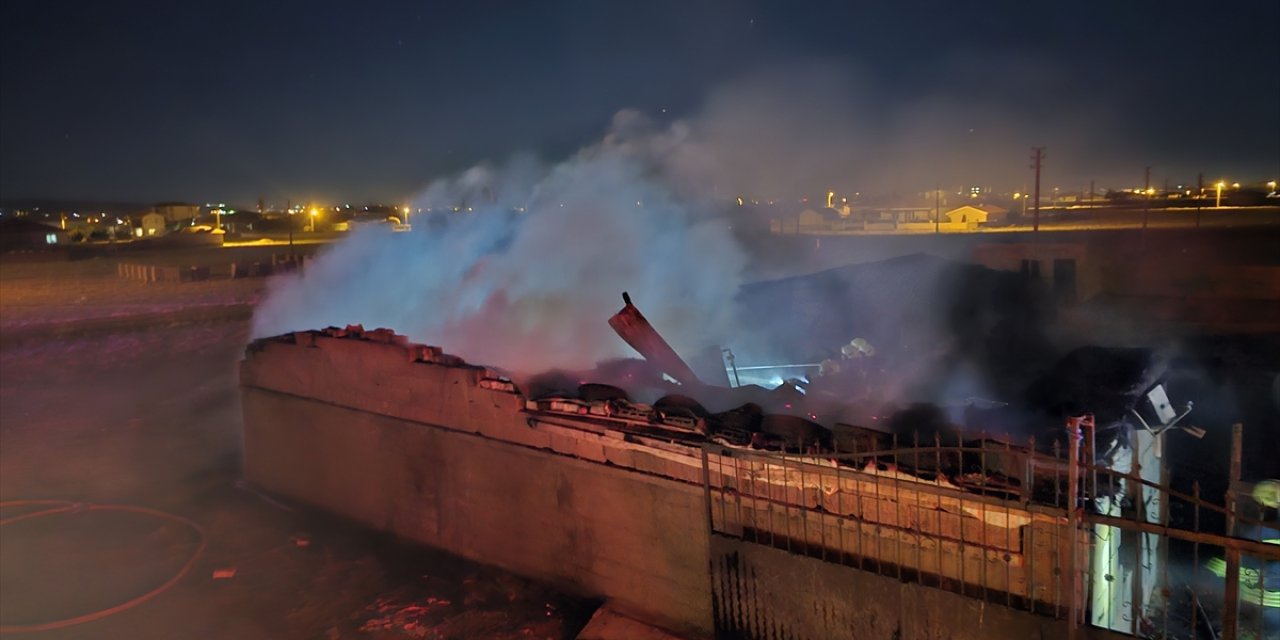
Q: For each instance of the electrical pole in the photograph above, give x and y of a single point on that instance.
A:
(937, 209)
(1146, 193)
(1037, 157)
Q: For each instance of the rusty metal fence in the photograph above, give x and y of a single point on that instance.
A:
(1043, 532)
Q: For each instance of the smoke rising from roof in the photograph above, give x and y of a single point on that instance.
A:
(526, 270)
(525, 273)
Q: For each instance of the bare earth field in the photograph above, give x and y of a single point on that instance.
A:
(116, 392)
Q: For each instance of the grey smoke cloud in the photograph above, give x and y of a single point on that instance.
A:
(525, 274)
(527, 271)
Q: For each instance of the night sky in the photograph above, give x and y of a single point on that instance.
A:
(145, 101)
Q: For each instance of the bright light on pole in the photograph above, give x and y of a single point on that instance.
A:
(314, 213)
(1218, 201)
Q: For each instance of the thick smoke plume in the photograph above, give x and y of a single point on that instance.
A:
(525, 272)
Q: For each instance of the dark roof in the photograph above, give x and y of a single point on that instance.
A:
(914, 300)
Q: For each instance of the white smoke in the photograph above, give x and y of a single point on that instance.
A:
(528, 269)
(526, 272)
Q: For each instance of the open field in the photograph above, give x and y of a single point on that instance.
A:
(117, 392)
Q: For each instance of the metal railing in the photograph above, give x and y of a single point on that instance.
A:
(1081, 542)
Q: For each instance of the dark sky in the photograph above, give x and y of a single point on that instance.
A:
(370, 100)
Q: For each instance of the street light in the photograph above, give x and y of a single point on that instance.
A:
(314, 213)
(1218, 201)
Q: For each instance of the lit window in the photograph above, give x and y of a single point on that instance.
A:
(51, 238)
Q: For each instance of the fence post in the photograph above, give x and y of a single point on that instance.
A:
(706, 490)
(1073, 524)
(1231, 604)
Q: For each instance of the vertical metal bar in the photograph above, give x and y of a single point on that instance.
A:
(878, 530)
(706, 490)
(964, 582)
(724, 490)
(1028, 544)
(1231, 605)
(938, 533)
(1073, 524)
(755, 519)
(859, 517)
(821, 509)
(919, 531)
(1007, 554)
(786, 503)
(1092, 458)
(1057, 530)
(1139, 516)
(802, 506)
(841, 518)
(982, 532)
(1165, 497)
(897, 509)
(1195, 559)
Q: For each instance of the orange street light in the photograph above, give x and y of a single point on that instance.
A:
(1218, 201)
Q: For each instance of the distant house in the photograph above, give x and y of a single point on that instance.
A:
(153, 224)
(177, 211)
(25, 234)
(823, 219)
(977, 214)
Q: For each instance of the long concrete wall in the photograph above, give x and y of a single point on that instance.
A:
(631, 538)
(411, 441)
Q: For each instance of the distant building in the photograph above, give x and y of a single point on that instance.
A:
(977, 214)
(25, 234)
(177, 211)
(154, 224)
(818, 219)
(898, 215)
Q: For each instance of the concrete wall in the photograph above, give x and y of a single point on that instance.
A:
(408, 440)
(636, 540)
(762, 592)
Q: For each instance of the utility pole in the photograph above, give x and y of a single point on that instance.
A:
(1037, 157)
(1146, 193)
(937, 209)
(1092, 193)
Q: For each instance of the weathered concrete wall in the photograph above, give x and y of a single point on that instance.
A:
(636, 540)
(762, 592)
(408, 440)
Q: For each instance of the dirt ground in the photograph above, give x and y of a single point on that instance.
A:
(149, 415)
